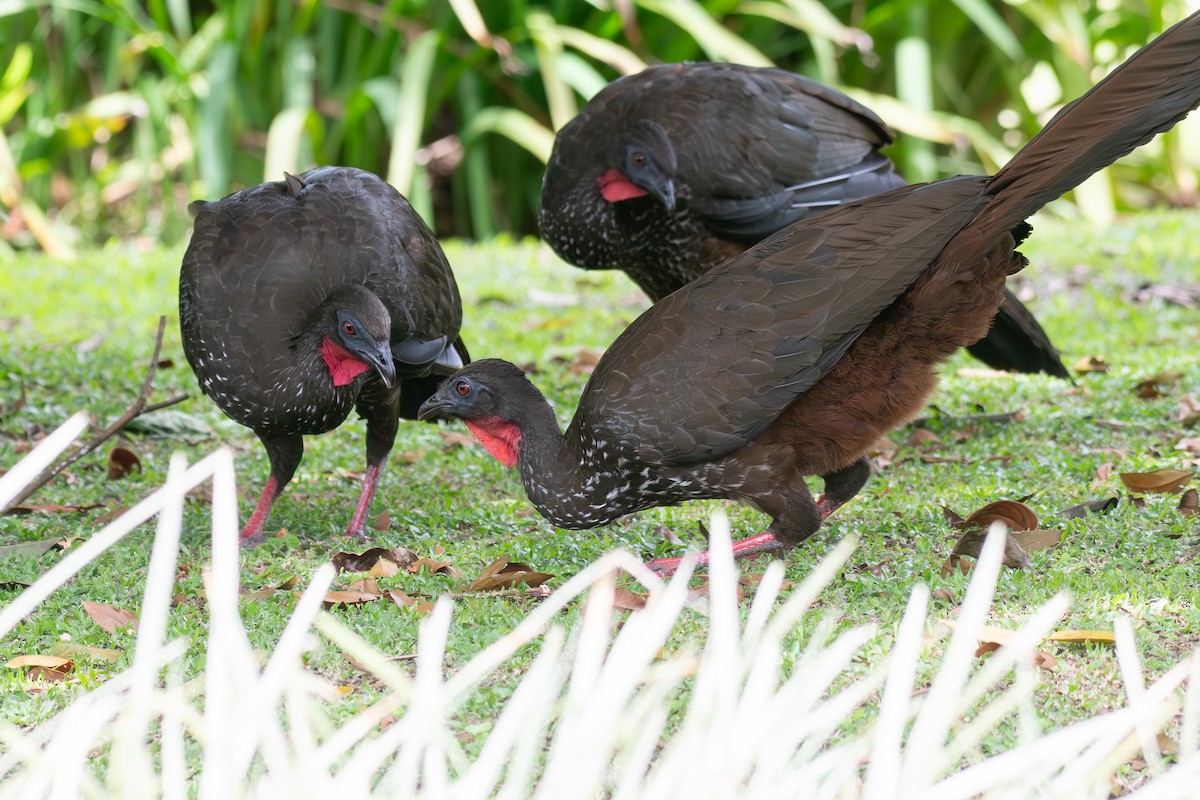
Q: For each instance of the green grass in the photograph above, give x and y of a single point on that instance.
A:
(525, 305)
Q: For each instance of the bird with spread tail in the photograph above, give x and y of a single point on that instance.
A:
(792, 358)
(666, 173)
(304, 298)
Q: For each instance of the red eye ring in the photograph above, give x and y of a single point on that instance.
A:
(349, 329)
(463, 388)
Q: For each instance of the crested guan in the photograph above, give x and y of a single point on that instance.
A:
(792, 358)
(668, 172)
(304, 298)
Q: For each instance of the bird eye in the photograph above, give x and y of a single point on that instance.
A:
(463, 388)
(348, 328)
(639, 160)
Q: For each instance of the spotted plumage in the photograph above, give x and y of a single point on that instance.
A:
(303, 299)
(792, 358)
(666, 173)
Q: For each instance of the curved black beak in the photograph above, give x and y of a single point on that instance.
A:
(435, 407)
(381, 359)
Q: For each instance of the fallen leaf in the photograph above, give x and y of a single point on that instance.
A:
(1014, 515)
(1075, 637)
(347, 597)
(921, 436)
(121, 462)
(630, 601)
(47, 674)
(971, 544)
(1091, 364)
(51, 509)
(1090, 507)
(502, 574)
(1159, 481)
(76, 651)
(927, 459)
(453, 439)
(1103, 472)
(585, 361)
(50, 662)
(1037, 539)
(668, 534)
(368, 585)
(945, 595)
(28, 548)
(108, 617)
(400, 598)
(382, 521)
(1191, 445)
(1189, 503)
(369, 560)
(428, 563)
(1153, 386)
(1189, 411)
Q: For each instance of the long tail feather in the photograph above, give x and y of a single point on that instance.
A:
(1154, 89)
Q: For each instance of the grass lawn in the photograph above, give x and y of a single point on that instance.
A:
(78, 337)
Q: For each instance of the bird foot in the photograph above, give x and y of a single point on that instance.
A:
(827, 506)
(742, 548)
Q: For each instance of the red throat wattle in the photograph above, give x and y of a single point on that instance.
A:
(498, 437)
(615, 187)
(343, 367)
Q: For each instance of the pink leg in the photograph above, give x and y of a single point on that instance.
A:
(358, 521)
(827, 506)
(742, 548)
(252, 532)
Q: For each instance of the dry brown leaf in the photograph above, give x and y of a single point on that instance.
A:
(453, 439)
(630, 601)
(955, 563)
(121, 462)
(701, 591)
(49, 662)
(1189, 503)
(382, 521)
(585, 361)
(504, 574)
(368, 585)
(1159, 481)
(1189, 411)
(920, 437)
(1090, 507)
(1189, 444)
(1014, 515)
(1075, 637)
(945, 595)
(347, 597)
(926, 459)
(400, 598)
(47, 674)
(1091, 364)
(970, 544)
(1157, 384)
(668, 534)
(368, 560)
(75, 651)
(51, 509)
(1037, 539)
(433, 566)
(1103, 472)
(108, 617)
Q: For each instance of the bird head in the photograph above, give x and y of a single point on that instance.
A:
(360, 339)
(647, 166)
(486, 395)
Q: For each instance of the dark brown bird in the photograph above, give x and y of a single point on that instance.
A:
(666, 173)
(794, 357)
(302, 299)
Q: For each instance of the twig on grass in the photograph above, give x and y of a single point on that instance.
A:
(136, 408)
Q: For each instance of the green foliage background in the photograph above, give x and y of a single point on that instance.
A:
(114, 114)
